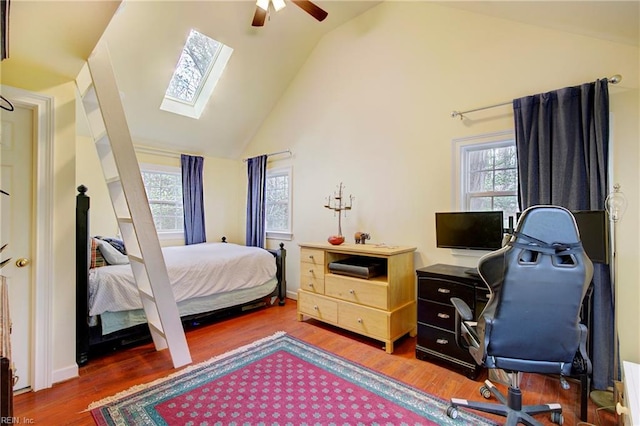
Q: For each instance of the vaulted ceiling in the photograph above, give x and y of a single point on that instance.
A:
(146, 37)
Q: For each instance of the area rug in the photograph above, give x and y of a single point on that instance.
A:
(278, 380)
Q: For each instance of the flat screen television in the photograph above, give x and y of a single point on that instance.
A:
(469, 230)
(593, 226)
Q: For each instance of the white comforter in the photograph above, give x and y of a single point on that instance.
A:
(195, 270)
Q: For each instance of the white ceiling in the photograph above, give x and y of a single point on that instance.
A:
(146, 37)
(616, 21)
(55, 36)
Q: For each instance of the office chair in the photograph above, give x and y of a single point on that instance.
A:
(531, 323)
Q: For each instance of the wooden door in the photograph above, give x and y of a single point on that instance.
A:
(16, 230)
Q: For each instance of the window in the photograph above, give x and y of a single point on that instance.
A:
(163, 185)
(278, 203)
(489, 174)
(197, 72)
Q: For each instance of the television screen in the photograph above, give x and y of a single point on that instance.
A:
(469, 230)
(594, 233)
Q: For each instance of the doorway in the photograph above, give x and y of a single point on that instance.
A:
(40, 360)
(16, 225)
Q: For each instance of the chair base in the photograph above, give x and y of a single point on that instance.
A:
(509, 407)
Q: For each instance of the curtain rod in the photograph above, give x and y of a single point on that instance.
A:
(613, 80)
(142, 149)
(286, 151)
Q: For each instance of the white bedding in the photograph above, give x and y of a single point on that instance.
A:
(194, 271)
(114, 321)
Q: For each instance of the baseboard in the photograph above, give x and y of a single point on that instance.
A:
(292, 295)
(65, 373)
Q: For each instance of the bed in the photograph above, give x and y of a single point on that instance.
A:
(209, 281)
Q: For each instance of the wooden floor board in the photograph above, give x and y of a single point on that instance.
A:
(65, 403)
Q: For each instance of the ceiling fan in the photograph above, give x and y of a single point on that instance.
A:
(262, 8)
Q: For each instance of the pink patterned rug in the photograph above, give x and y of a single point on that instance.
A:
(277, 380)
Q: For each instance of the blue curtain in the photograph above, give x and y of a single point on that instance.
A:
(256, 172)
(192, 199)
(562, 139)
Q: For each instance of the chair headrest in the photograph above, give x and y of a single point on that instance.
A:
(550, 224)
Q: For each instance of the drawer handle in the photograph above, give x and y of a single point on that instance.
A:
(311, 271)
(315, 307)
(310, 284)
(352, 291)
(359, 320)
(310, 256)
(443, 316)
(442, 341)
(444, 290)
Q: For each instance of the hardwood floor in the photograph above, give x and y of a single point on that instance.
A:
(64, 403)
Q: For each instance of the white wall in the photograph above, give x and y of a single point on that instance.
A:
(371, 108)
(224, 191)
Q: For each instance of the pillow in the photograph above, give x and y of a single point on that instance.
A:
(111, 255)
(97, 260)
(116, 243)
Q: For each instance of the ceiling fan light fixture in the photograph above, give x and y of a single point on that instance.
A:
(262, 10)
(278, 4)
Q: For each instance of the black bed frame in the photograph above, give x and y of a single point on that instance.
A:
(89, 339)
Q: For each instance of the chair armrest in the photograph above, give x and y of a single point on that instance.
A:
(462, 309)
(581, 361)
(463, 315)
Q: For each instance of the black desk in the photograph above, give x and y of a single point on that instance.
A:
(437, 284)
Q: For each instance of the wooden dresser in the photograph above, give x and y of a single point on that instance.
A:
(382, 307)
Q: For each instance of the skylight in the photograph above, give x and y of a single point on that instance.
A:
(198, 70)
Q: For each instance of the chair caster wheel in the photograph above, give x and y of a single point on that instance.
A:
(557, 418)
(485, 392)
(452, 412)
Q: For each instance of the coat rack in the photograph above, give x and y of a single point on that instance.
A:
(6, 104)
(8, 377)
(4, 262)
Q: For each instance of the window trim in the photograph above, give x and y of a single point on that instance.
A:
(465, 153)
(164, 235)
(196, 109)
(459, 147)
(288, 234)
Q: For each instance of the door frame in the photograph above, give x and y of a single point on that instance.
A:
(42, 332)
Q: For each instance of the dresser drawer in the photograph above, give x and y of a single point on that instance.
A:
(370, 322)
(443, 342)
(312, 284)
(311, 256)
(312, 278)
(312, 271)
(442, 290)
(437, 314)
(365, 292)
(317, 307)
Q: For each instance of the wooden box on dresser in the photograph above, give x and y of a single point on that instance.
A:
(437, 284)
(382, 307)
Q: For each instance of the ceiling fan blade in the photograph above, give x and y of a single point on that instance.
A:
(311, 9)
(259, 17)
